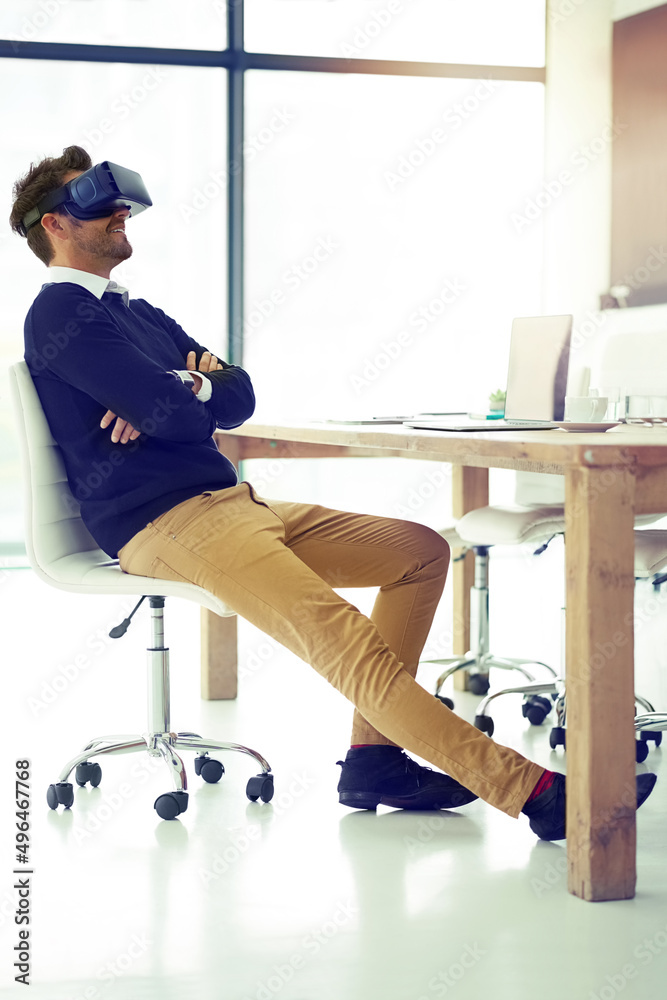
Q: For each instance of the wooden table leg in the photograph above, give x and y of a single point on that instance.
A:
(470, 490)
(219, 636)
(219, 656)
(601, 798)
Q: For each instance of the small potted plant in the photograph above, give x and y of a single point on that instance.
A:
(497, 401)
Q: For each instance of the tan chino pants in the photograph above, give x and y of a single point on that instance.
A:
(276, 563)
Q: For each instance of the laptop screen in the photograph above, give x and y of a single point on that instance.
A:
(538, 364)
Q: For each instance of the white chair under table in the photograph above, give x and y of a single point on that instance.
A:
(526, 521)
(62, 552)
(530, 523)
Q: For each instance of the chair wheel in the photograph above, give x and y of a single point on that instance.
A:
(171, 804)
(651, 734)
(641, 751)
(485, 724)
(88, 771)
(535, 709)
(445, 701)
(210, 770)
(260, 787)
(60, 794)
(479, 683)
(557, 737)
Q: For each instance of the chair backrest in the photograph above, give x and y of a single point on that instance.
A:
(630, 356)
(627, 355)
(60, 548)
(53, 525)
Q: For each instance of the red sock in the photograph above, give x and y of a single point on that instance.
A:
(546, 781)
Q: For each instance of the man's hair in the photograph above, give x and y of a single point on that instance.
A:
(42, 178)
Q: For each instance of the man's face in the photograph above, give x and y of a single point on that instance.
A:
(97, 240)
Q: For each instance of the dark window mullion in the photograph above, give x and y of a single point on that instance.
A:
(235, 167)
(80, 52)
(236, 58)
(394, 67)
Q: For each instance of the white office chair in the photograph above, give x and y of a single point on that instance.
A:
(479, 530)
(525, 522)
(63, 553)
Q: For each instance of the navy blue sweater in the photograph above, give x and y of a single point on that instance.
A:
(89, 355)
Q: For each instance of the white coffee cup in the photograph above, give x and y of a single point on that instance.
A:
(585, 409)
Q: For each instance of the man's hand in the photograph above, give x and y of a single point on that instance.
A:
(123, 430)
(207, 363)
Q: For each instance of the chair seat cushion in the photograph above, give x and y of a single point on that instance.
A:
(650, 552)
(510, 525)
(94, 572)
(451, 535)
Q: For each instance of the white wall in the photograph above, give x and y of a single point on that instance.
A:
(577, 155)
(579, 139)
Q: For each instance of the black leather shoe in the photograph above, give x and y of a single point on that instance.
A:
(547, 811)
(385, 775)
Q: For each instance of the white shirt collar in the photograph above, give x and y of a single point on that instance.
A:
(93, 282)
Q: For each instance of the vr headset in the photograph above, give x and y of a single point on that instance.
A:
(98, 192)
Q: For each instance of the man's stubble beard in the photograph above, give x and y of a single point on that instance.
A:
(105, 246)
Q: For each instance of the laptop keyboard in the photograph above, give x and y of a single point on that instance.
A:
(529, 423)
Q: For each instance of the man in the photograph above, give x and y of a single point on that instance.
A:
(133, 402)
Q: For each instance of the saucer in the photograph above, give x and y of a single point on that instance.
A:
(591, 428)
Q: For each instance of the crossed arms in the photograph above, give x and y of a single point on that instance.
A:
(73, 338)
(123, 431)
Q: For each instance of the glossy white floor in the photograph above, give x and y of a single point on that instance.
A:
(300, 899)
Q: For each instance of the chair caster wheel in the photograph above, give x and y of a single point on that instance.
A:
(536, 708)
(88, 771)
(479, 683)
(485, 724)
(557, 737)
(641, 751)
(445, 701)
(651, 734)
(210, 770)
(171, 804)
(60, 794)
(260, 787)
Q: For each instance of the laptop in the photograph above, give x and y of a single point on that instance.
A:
(536, 379)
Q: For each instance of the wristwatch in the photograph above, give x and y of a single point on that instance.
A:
(185, 377)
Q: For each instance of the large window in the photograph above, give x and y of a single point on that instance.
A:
(197, 24)
(383, 266)
(373, 156)
(441, 31)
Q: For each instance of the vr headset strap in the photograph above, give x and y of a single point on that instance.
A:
(47, 204)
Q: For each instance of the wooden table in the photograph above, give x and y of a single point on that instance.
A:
(609, 479)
